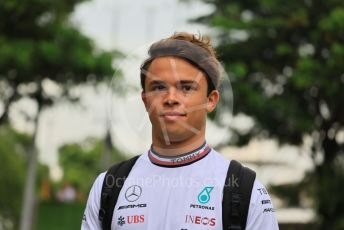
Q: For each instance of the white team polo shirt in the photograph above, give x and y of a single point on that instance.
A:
(177, 193)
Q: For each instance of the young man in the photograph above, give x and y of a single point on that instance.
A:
(181, 182)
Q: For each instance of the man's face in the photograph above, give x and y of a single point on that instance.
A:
(175, 97)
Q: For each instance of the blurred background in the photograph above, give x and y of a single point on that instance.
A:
(70, 100)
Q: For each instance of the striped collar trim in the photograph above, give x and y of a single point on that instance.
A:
(181, 160)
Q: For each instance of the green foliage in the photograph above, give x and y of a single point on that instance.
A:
(13, 157)
(64, 52)
(289, 47)
(329, 199)
(37, 42)
(12, 173)
(286, 62)
(81, 163)
(290, 193)
(80, 166)
(56, 216)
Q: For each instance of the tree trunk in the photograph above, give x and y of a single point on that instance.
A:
(327, 181)
(28, 205)
(29, 192)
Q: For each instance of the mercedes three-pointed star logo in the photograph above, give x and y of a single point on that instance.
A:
(133, 193)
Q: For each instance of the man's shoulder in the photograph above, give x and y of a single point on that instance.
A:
(261, 211)
(98, 183)
(260, 195)
(219, 157)
(132, 160)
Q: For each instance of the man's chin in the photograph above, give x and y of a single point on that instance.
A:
(179, 136)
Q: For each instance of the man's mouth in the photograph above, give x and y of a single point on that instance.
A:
(172, 116)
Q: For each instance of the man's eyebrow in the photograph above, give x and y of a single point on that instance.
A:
(188, 82)
(181, 82)
(156, 82)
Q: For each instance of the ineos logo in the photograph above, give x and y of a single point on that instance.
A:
(133, 193)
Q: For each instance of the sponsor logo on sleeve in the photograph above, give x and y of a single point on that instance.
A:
(262, 191)
(266, 201)
(268, 210)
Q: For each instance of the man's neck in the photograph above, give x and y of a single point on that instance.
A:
(178, 147)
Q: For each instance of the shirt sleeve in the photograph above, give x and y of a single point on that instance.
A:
(90, 219)
(261, 214)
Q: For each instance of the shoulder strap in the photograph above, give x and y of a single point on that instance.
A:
(236, 196)
(112, 185)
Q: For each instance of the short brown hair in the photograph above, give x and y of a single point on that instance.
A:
(196, 49)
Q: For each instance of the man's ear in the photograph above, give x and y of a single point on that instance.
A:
(213, 98)
(144, 98)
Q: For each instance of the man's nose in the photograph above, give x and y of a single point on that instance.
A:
(171, 97)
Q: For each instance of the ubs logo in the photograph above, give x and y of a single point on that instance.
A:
(134, 219)
(133, 193)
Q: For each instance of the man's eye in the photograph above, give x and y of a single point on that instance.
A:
(158, 87)
(187, 88)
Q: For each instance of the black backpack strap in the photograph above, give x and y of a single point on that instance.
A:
(236, 196)
(112, 185)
